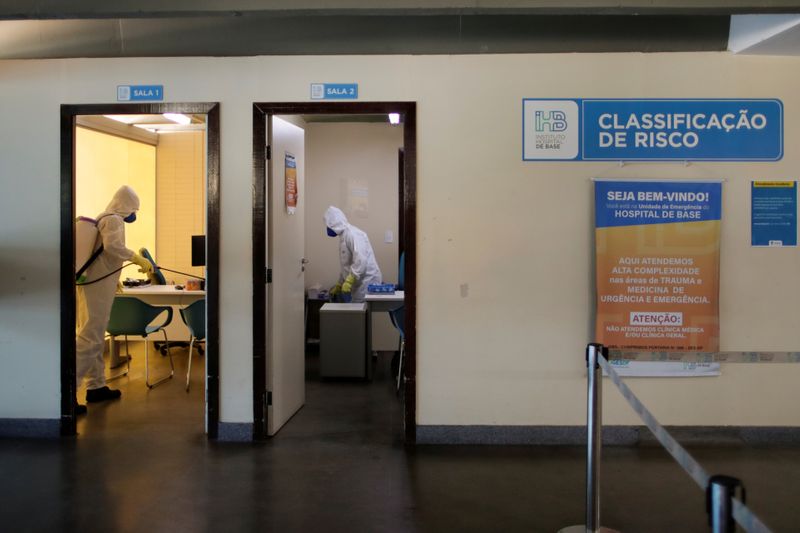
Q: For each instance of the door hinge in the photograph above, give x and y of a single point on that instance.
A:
(268, 400)
(269, 152)
(269, 275)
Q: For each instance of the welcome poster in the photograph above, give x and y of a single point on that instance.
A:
(657, 265)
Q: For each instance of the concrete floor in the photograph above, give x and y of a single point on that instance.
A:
(143, 464)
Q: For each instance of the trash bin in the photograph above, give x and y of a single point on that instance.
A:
(343, 340)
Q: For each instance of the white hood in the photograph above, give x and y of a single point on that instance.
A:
(335, 219)
(124, 202)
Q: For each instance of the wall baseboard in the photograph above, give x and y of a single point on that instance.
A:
(497, 435)
(235, 432)
(37, 428)
(612, 435)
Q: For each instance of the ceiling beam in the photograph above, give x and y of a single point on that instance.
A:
(322, 35)
(105, 9)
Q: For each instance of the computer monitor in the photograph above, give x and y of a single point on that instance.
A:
(198, 250)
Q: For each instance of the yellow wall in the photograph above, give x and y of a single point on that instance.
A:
(181, 195)
(104, 163)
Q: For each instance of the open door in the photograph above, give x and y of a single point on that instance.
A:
(285, 258)
(278, 380)
(70, 116)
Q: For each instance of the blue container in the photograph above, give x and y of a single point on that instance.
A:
(381, 288)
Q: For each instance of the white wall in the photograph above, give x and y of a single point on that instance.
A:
(511, 352)
(354, 167)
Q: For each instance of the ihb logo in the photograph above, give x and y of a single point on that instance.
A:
(550, 129)
(552, 121)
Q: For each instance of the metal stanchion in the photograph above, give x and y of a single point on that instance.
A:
(719, 503)
(594, 427)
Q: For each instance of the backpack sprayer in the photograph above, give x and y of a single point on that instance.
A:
(88, 248)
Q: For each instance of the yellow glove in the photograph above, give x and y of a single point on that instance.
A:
(120, 286)
(336, 289)
(347, 286)
(144, 265)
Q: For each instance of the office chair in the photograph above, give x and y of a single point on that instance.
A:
(156, 277)
(401, 273)
(397, 316)
(131, 316)
(194, 316)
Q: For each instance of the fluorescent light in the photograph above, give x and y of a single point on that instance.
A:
(178, 117)
(394, 118)
(125, 119)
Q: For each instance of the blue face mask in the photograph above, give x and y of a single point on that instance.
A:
(331, 233)
(130, 218)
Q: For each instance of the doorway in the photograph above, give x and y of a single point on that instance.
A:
(70, 118)
(263, 154)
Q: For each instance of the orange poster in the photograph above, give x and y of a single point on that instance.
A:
(657, 265)
(291, 183)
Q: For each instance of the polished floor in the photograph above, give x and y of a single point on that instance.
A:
(143, 464)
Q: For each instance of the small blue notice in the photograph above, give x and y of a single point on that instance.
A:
(140, 93)
(773, 213)
(334, 91)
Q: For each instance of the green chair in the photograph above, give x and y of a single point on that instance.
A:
(194, 316)
(131, 316)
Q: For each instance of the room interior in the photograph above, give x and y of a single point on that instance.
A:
(163, 158)
(352, 164)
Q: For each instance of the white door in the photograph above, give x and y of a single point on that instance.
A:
(286, 293)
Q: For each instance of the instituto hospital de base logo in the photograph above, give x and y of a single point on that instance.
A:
(550, 129)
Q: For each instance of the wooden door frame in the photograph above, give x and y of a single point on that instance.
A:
(261, 111)
(67, 276)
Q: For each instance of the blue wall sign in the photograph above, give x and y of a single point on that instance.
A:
(652, 130)
(773, 208)
(636, 203)
(140, 93)
(334, 91)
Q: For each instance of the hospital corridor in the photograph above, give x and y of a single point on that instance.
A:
(407, 267)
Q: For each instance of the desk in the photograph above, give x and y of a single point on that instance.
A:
(167, 295)
(380, 303)
(313, 306)
(163, 295)
(385, 302)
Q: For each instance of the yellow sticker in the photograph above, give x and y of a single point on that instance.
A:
(759, 184)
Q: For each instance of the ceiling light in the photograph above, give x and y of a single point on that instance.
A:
(394, 118)
(125, 119)
(179, 118)
(149, 127)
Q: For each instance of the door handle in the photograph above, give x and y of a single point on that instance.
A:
(303, 263)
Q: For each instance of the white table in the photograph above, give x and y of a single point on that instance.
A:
(380, 303)
(163, 295)
(385, 302)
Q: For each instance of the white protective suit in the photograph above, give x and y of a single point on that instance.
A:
(355, 254)
(95, 300)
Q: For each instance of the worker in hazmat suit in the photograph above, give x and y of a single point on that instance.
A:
(95, 299)
(359, 268)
